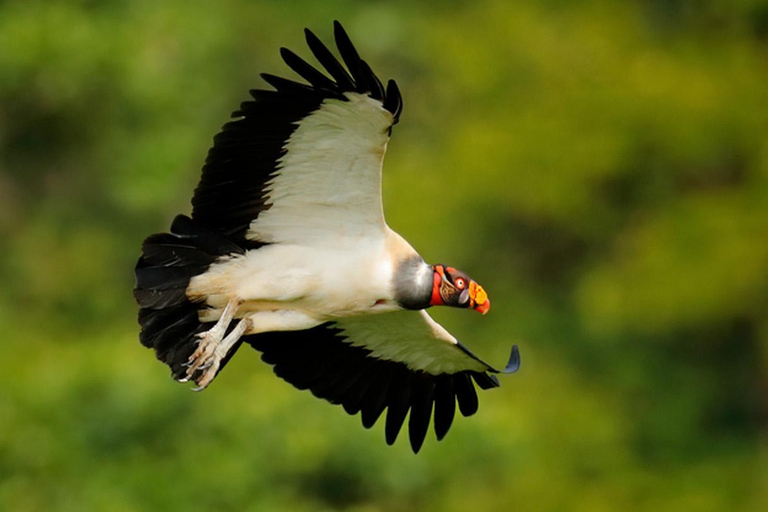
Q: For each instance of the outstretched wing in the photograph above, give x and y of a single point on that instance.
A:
(302, 161)
(397, 361)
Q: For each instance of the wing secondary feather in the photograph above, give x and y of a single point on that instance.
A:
(412, 338)
(328, 181)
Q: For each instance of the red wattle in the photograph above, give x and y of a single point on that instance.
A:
(436, 300)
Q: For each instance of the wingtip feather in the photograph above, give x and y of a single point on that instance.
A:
(513, 364)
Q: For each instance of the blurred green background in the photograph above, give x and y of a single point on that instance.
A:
(601, 167)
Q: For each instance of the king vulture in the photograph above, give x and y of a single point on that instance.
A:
(287, 250)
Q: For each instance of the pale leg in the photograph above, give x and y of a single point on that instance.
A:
(213, 347)
(281, 320)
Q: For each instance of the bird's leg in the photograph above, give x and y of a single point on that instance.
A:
(212, 363)
(210, 340)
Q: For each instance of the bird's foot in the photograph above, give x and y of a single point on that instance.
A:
(205, 361)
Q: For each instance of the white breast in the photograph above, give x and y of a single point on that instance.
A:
(345, 278)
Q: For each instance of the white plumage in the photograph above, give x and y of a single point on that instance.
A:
(411, 338)
(346, 141)
(287, 249)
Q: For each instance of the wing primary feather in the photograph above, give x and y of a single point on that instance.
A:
(287, 86)
(421, 410)
(465, 394)
(514, 361)
(299, 367)
(373, 83)
(353, 399)
(336, 379)
(232, 191)
(329, 62)
(375, 400)
(306, 71)
(309, 373)
(354, 388)
(393, 101)
(348, 54)
(398, 403)
(445, 405)
(262, 95)
(485, 381)
(301, 378)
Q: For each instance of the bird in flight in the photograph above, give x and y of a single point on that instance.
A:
(288, 251)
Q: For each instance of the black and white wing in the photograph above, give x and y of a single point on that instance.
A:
(302, 164)
(402, 361)
(304, 160)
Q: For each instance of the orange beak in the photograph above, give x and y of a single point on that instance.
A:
(484, 307)
(479, 298)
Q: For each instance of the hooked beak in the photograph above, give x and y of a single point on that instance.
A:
(479, 298)
(484, 307)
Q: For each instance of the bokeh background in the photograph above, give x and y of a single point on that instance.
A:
(601, 167)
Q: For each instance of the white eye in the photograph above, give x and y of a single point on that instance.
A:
(460, 283)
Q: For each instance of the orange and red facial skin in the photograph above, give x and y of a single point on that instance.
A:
(452, 287)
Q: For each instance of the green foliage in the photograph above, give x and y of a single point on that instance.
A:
(601, 167)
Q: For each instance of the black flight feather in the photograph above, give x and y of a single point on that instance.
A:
(465, 394)
(373, 84)
(445, 405)
(325, 362)
(485, 381)
(329, 62)
(285, 85)
(393, 101)
(353, 398)
(421, 409)
(375, 399)
(232, 190)
(348, 54)
(306, 71)
(168, 318)
(398, 403)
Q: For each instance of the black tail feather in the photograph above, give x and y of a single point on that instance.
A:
(169, 320)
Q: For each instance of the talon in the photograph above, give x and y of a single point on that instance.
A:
(212, 347)
(207, 377)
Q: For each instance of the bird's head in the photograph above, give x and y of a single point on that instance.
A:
(452, 287)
